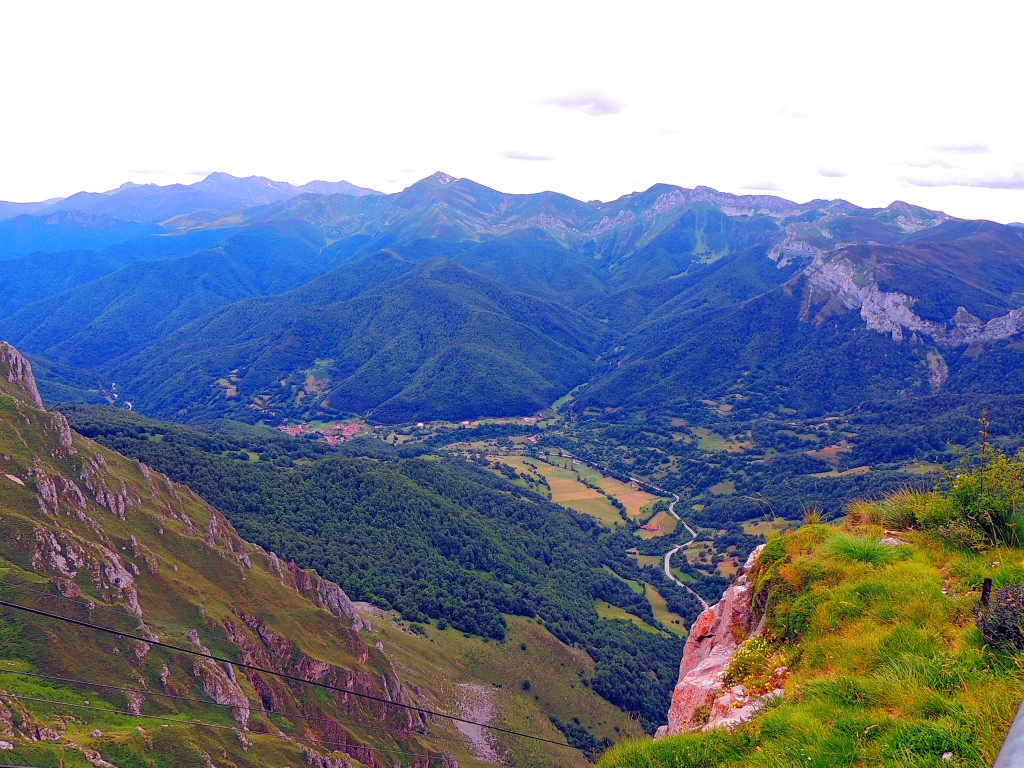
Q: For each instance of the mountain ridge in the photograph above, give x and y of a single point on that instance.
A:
(641, 270)
(155, 203)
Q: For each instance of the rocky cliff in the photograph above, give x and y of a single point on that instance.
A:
(836, 279)
(88, 534)
(18, 373)
(702, 698)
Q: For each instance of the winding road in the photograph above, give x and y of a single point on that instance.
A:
(668, 555)
(671, 511)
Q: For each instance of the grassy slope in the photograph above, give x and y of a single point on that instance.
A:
(188, 577)
(555, 673)
(889, 669)
(194, 579)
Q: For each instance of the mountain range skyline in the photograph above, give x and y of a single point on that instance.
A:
(256, 190)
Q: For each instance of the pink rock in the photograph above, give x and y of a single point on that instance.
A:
(713, 640)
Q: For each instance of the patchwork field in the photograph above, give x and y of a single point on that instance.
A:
(712, 441)
(836, 473)
(609, 611)
(654, 561)
(567, 490)
(633, 499)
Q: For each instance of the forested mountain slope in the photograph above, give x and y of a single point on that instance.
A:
(436, 539)
(656, 298)
(411, 342)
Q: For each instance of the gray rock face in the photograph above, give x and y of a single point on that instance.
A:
(338, 602)
(836, 278)
(18, 371)
(219, 681)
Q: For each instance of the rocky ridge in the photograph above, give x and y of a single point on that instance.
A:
(18, 372)
(836, 279)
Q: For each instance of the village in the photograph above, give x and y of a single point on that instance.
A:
(333, 434)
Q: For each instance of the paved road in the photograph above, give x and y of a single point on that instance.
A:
(671, 510)
(671, 552)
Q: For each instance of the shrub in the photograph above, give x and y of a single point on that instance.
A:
(992, 500)
(961, 533)
(812, 514)
(798, 619)
(754, 665)
(862, 512)
(899, 509)
(987, 496)
(1002, 622)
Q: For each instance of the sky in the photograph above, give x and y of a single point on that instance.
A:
(868, 101)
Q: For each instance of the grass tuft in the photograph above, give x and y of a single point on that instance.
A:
(865, 550)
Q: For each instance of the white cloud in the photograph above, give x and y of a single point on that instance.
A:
(678, 92)
(1013, 180)
(964, 149)
(513, 154)
(591, 103)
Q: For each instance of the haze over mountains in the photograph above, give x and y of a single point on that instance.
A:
(152, 202)
(260, 300)
(733, 352)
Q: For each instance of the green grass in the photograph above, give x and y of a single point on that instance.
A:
(636, 586)
(556, 674)
(865, 549)
(708, 440)
(724, 488)
(613, 612)
(889, 668)
(673, 622)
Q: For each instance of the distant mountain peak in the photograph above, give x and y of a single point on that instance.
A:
(911, 218)
(126, 185)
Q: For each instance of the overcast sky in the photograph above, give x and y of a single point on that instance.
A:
(868, 101)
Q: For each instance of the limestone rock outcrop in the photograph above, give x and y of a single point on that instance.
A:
(19, 372)
(835, 278)
(701, 698)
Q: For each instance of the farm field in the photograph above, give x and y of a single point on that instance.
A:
(567, 490)
(632, 498)
(609, 611)
(666, 526)
(673, 622)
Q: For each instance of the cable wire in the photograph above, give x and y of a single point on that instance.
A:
(87, 604)
(285, 737)
(206, 702)
(282, 675)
